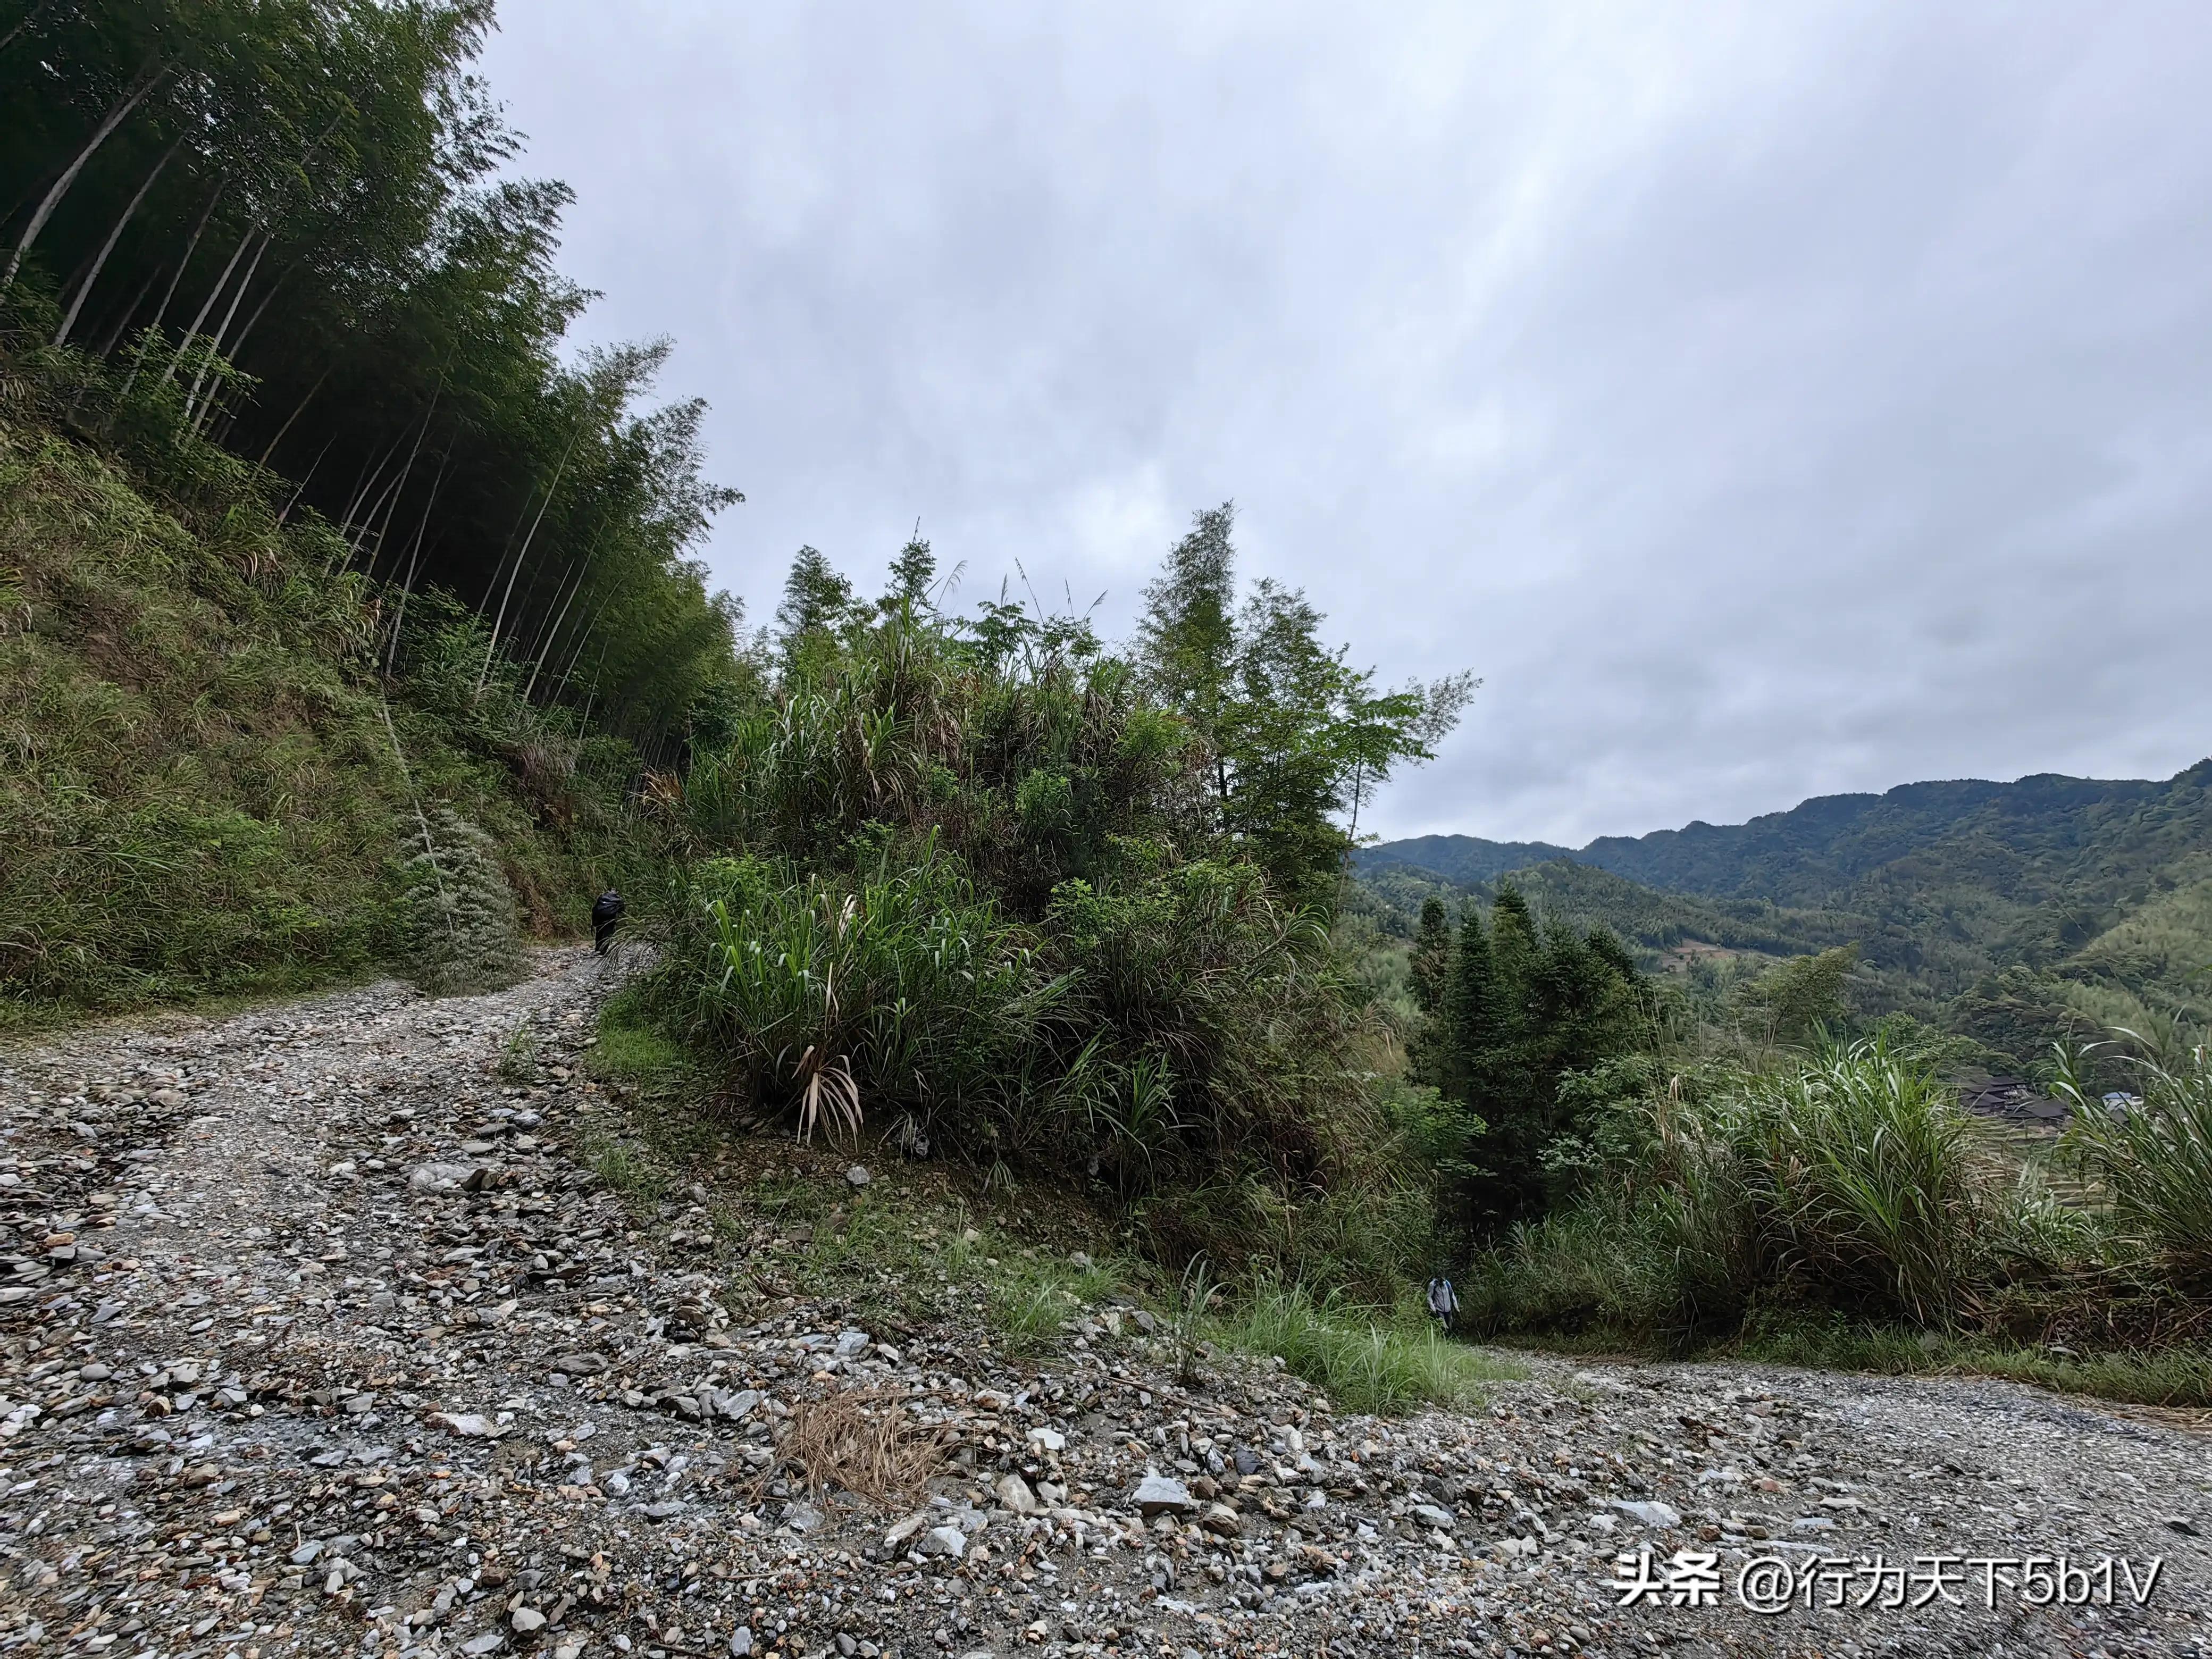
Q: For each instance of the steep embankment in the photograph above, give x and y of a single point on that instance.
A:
(199, 792)
(341, 1343)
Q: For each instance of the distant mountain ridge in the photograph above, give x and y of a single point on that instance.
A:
(1816, 852)
(2016, 913)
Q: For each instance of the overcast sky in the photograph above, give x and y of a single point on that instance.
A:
(1765, 400)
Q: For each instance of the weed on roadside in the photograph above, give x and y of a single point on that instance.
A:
(1365, 1359)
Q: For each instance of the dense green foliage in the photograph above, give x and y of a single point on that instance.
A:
(1291, 734)
(1518, 1008)
(278, 246)
(982, 880)
(2154, 1159)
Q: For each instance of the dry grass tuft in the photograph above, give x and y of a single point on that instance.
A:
(863, 1440)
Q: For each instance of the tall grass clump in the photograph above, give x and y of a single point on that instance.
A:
(2152, 1155)
(1845, 1181)
(460, 923)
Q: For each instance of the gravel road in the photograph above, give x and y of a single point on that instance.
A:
(319, 1338)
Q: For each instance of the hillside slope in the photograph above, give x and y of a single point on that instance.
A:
(199, 791)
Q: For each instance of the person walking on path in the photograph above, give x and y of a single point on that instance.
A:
(605, 912)
(1444, 1302)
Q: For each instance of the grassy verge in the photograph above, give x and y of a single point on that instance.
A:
(1365, 1359)
(924, 1250)
(2170, 1376)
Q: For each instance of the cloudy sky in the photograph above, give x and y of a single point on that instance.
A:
(1765, 400)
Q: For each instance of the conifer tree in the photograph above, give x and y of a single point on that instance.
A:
(1431, 958)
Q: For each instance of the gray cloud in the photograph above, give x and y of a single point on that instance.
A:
(1765, 400)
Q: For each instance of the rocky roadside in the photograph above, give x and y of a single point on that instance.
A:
(322, 1336)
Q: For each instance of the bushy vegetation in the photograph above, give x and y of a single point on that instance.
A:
(1844, 1192)
(981, 880)
(2152, 1153)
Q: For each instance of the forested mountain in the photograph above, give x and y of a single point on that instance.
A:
(2011, 912)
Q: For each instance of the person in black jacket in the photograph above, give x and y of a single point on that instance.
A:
(605, 912)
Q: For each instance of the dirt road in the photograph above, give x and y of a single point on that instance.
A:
(320, 1338)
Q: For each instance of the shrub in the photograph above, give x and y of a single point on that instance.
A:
(459, 917)
(830, 997)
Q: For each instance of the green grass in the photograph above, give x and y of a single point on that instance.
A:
(1387, 1361)
(628, 1169)
(199, 792)
(518, 1058)
(909, 1262)
(628, 1051)
(2173, 1377)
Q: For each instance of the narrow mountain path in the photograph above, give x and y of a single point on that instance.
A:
(318, 1335)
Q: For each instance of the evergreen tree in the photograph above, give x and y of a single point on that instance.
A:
(1293, 735)
(1523, 1007)
(816, 598)
(1188, 636)
(1431, 958)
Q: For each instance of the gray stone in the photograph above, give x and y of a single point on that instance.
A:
(580, 1364)
(1432, 1515)
(1650, 1511)
(857, 1175)
(945, 1540)
(741, 1642)
(526, 1620)
(1014, 1494)
(1161, 1494)
(901, 1530)
(470, 1426)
